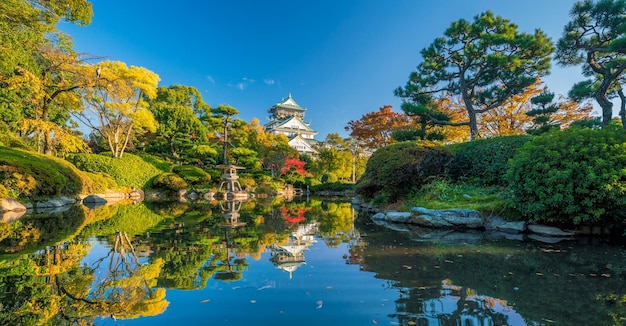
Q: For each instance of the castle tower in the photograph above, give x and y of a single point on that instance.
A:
(287, 118)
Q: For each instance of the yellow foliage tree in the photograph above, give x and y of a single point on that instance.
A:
(117, 101)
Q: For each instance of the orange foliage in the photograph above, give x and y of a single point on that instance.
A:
(374, 129)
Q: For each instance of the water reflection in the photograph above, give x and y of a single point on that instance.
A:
(452, 305)
(289, 256)
(193, 262)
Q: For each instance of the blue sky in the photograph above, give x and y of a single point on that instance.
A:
(338, 58)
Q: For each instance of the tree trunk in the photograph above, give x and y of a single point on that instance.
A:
(47, 137)
(605, 104)
(622, 110)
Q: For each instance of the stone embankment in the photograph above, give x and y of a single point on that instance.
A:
(11, 209)
(441, 223)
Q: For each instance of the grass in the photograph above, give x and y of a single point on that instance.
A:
(443, 194)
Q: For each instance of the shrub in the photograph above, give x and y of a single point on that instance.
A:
(397, 169)
(192, 175)
(485, 161)
(262, 178)
(169, 181)
(329, 178)
(571, 177)
(129, 170)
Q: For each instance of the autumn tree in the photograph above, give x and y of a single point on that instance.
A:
(547, 114)
(511, 117)
(374, 129)
(486, 62)
(39, 72)
(118, 103)
(51, 96)
(595, 37)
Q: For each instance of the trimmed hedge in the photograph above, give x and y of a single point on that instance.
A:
(192, 175)
(394, 171)
(128, 171)
(577, 176)
(485, 161)
(169, 181)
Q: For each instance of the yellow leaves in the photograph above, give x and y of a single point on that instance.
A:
(144, 119)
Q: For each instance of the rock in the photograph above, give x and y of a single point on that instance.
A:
(51, 203)
(398, 217)
(498, 224)
(11, 205)
(95, 199)
(454, 218)
(379, 216)
(548, 231)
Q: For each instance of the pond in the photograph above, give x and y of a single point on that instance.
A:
(310, 262)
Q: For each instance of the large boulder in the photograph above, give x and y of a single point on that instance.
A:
(447, 218)
(497, 224)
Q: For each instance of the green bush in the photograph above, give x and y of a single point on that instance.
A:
(192, 175)
(484, 161)
(397, 169)
(262, 177)
(329, 178)
(169, 181)
(576, 176)
(128, 171)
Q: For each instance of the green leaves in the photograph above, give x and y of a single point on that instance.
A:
(574, 176)
(486, 61)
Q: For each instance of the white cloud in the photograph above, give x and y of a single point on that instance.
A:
(241, 86)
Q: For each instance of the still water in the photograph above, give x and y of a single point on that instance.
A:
(310, 262)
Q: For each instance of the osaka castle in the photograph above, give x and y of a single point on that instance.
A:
(287, 118)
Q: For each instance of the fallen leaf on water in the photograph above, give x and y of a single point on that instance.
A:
(205, 301)
(411, 322)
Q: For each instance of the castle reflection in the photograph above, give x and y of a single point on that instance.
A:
(289, 256)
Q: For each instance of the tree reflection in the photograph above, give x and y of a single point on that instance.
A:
(122, 287)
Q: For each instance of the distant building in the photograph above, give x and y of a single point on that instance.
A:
(287, 118)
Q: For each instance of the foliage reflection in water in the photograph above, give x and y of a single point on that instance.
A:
(307, 262)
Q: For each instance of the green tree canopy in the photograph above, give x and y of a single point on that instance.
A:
(486, 62)
(595, 36)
